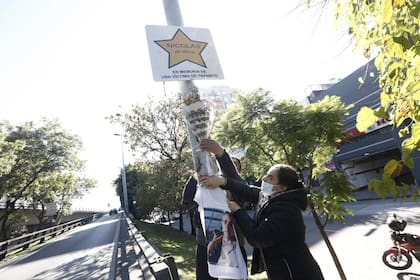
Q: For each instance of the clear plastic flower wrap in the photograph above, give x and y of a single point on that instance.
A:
(199, 119)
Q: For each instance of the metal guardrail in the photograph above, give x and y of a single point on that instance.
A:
(19, 204)
(153, 263)
(23, 242)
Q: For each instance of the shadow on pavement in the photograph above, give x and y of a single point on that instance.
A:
(88, 267)
(96, 234)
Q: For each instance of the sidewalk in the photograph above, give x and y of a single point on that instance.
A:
(360, 245)
(366, 194)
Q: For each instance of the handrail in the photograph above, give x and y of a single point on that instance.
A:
(161, 266)
(23, 242)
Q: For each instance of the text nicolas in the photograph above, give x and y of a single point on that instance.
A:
(188, 46)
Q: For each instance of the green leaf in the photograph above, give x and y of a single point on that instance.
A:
(389, 185)
(385, 99)
(408, 146)
(403, 132)
(387, 11)
(415, 132)
(365, 118)
(377, 186)
(393, 168)
(382, 113)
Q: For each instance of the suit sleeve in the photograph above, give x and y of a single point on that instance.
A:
(242, 190)
(189, 191)
(227, 167)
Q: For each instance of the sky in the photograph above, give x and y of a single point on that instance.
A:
(80, 61)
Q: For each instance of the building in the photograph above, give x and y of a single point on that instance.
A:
(363, 155)
(220, 96)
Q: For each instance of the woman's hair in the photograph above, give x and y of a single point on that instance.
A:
(218, 235)
(229, 227)
(288, 176)
(238, 161)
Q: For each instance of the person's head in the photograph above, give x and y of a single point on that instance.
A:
(279, 178)
(237, 163)
(227, 227)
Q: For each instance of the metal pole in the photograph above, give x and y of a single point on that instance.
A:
(188, 89)
(123, 177)
(174, 17)
(173, 12)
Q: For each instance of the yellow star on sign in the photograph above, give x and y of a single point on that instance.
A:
(181, 48)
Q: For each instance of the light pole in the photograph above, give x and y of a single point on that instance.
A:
(123, 178)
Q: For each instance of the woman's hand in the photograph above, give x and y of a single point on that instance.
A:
(212, 146)
(233, 206)
(211, 182)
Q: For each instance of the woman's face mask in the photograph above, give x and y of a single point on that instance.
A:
(266, 188)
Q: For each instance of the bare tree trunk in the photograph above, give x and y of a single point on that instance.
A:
(41, 214)
(191, 214)
(327, 242)
(3, 232)
(9, 209)
(181, 221)
(169, 218)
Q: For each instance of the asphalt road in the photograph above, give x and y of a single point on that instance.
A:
(82, 253)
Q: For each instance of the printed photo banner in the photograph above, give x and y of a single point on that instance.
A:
(224, 256)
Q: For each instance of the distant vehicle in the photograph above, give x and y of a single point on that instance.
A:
(113, 211)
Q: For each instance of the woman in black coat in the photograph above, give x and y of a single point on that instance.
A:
(277, 232)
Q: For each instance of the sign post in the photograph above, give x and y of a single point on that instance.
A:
(184, 54)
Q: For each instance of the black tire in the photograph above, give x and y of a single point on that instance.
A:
(390, 259)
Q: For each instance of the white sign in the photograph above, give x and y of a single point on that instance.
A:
(182, 53)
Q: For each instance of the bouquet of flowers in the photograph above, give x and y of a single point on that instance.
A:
(198, 117)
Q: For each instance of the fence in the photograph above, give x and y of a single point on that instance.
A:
(23, 242)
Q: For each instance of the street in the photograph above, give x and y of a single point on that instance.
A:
(85, 252)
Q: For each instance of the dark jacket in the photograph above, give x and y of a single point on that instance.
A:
(277, 233)
(188, 199)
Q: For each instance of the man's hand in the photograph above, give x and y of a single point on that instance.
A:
(212, 146)
(233, 206)
(211, 182)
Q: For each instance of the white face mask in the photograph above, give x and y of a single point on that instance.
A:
(267, 188)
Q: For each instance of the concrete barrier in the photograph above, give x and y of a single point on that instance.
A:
(151, 260)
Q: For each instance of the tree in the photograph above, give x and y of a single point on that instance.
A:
(44, 149)
(390, 29)
(140, 188)
(156, 131)
(305, 137)
(8, 150)
(69, 186)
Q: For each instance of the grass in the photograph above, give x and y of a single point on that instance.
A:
(181, 246)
